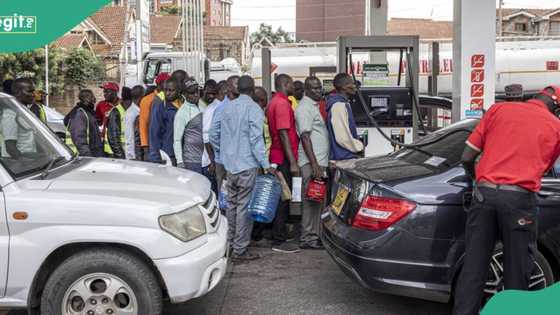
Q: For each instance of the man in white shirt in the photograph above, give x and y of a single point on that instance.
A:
(131, 132)
(18, 136)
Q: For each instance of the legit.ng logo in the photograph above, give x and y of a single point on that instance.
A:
(18, 24)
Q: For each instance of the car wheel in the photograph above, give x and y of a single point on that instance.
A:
(541, 277)
(102, 281)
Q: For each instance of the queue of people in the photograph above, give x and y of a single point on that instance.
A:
(228, 131)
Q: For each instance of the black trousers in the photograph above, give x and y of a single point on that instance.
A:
(495, 215)
(279, 230)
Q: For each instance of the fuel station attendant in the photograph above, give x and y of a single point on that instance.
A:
(519, 142)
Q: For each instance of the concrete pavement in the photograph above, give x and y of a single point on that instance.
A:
(292, 284)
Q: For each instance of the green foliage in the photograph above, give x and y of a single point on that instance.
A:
(169, 10)
(76, 68)
(82, 67)
(32, 64)
(275, 37)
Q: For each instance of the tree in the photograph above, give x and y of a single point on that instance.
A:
(265, 31)
(169, 10)
(75, 68)
(32, 64)
(82, 67)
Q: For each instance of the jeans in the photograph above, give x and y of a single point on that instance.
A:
(239, 188)
(310, 211)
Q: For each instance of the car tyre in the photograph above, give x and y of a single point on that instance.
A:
(98, 269)
(541, 277)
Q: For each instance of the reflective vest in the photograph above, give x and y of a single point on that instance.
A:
(68, 138)
(106, 145)
(42, 113)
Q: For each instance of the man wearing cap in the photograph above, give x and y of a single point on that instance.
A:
(111, 99)
(507, 178)
(157, 96)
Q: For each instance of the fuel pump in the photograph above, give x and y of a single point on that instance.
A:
(386, 114)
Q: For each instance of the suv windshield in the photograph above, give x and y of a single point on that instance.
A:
(27, 147)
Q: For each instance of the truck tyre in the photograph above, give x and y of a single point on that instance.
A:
(102, 281)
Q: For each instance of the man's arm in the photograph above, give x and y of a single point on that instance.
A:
(287, 147)
(179, 125)
(11, 148)
(342, 133)
(304, 122)
(308, 149)
(79, 132)
(469, 161)
(256, 137)
(114, 136)
(156, 122)
(215, 131)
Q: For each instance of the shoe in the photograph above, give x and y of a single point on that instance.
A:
(263, 243)
(246, 256)
(315, 245)
(285, 247)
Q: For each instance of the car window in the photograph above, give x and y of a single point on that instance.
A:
(441, 152)
(151, 70)
(26, 146)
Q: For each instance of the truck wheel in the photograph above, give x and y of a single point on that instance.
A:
(102, 281)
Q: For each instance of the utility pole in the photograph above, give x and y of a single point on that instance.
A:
(500, 18)
(47, 75)
(124, 50)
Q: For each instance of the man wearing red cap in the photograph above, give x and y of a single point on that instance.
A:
(517, 142)
(146, 103)
(111, 99)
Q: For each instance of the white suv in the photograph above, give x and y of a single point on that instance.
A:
(99, 236)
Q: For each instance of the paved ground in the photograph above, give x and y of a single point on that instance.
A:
(305, 283)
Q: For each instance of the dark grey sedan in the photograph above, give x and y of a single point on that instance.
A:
(397, 222)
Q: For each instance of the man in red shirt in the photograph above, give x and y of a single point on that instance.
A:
(111, 99)
(519, 143)
(283, 153)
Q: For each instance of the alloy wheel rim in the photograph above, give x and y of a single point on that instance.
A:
(99, 293)
(495, 281)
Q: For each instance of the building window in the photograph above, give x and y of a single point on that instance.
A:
(521, 27)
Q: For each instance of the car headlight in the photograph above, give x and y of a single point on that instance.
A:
(185, 225)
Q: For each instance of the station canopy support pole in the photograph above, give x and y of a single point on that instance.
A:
(474, 57)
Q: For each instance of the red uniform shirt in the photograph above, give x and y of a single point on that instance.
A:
(519, 142)
(280, 116)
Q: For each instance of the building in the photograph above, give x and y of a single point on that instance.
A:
(325, 20)
(222, 42)
(166, 32)
(530, 22)
(105, 33)
(217, 12)
(425, 28)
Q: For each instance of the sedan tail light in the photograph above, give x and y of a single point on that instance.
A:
(378, 213)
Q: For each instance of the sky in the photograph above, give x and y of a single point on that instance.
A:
(281, 13)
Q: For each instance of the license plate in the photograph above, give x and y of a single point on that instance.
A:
(340, 199)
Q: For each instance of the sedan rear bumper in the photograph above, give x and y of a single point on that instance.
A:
(379, 274)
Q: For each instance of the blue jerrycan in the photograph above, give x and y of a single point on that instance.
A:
(265, 198)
